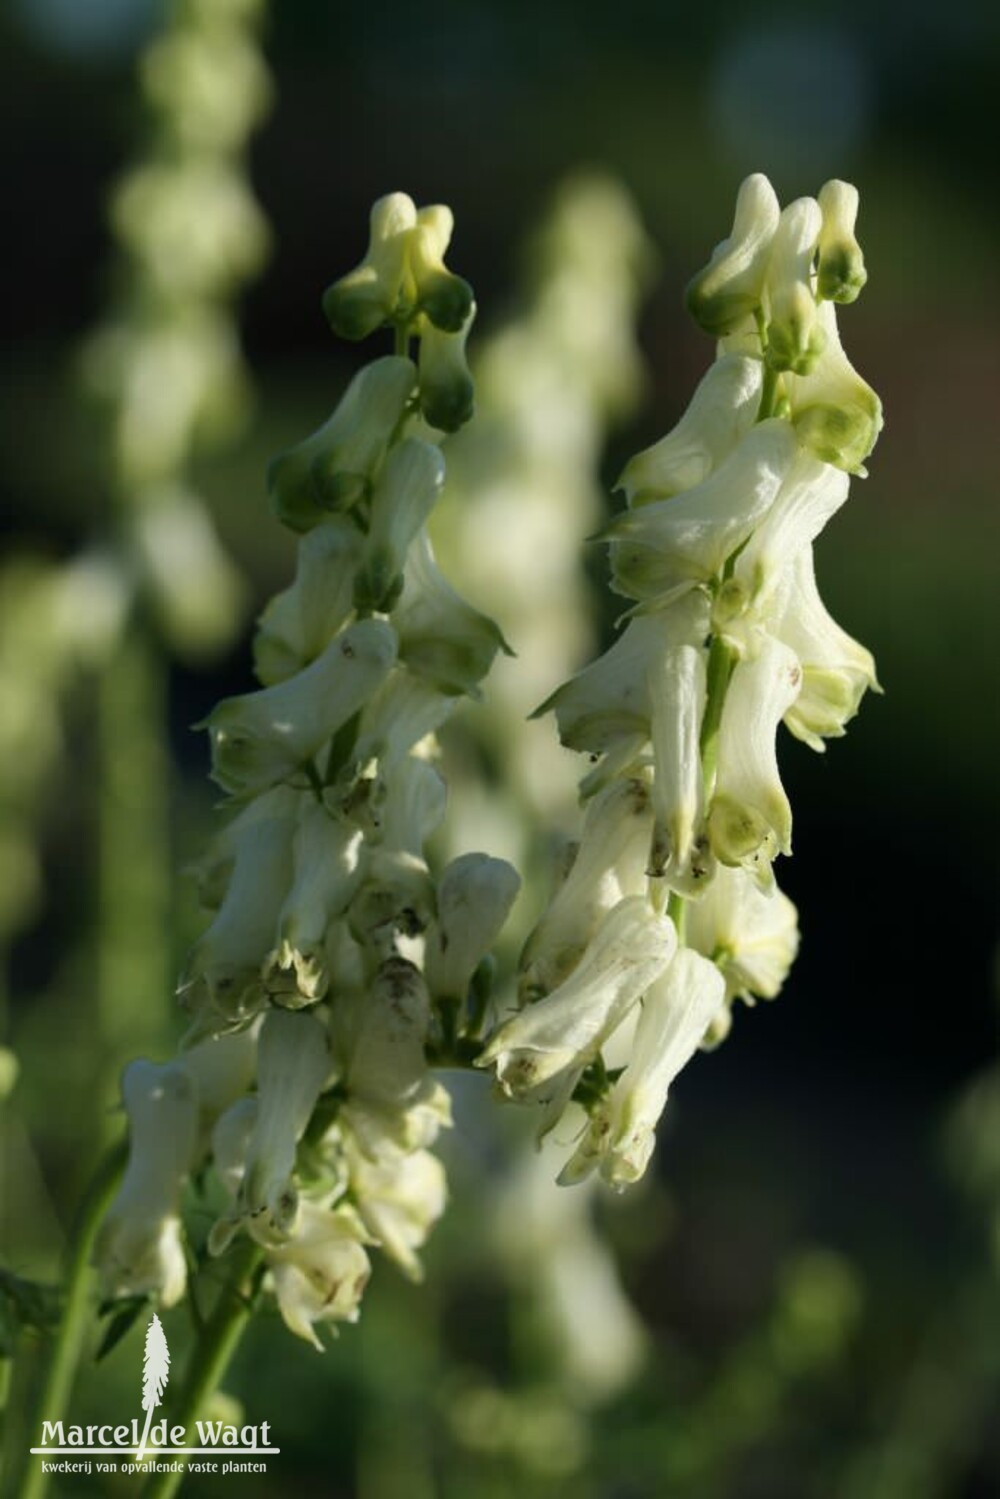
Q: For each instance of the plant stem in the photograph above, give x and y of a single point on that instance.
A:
(56, 1387)
(720, 667)
(210, 1356)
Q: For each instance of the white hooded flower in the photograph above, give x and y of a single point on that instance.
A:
(399, 1199)
(222, 1069)
(731, 285)
(795, 334)
(812, 492)
(841, 270)
(676, 675)
(139, 1247)
(266, 736)
(320, 1273)
(548, 1040)
(299, 623)
(835, 413)
(607, 703)
(721, 411)
(293, 1064)
(396, 717)
(751, 934)
(379, 1036)
(441, 637)
(374, 292)
(223, 968)
(474, 897)
(750, 819)
(443, 298)
(333, 468)
(836, 669)
(610, 863)
(661, 550)
(405, 493)
(675, 1014)
(327, 872)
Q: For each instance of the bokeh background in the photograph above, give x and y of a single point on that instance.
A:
(814, 1268)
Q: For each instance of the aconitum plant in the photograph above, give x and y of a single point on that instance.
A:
(340, 972)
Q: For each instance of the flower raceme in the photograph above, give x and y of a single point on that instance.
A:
(304, 1079)
(338, 967)
(726, 639)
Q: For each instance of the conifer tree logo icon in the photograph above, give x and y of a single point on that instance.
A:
(155, 1373)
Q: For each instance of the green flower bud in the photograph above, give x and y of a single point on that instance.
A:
(841, 273)
(444, 298)
(376, 291)
(729, 289)
(333, 468)
(447, 391)
(795, 335)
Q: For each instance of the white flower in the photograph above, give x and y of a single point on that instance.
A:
(335, 466)
(721, 411)
(320, 1273)
(812, 492)
(441, 637)
(676, 678)
(444, 298)
(327, 873)
(661, 550)
(607, 703)
(730, 286)
(223, 968)
(264, 737)
(371, 294)
(835, 413)
(752, 935)
(750, 819)
(396, 717)
(379, 1036)
(298, 624)
(139, 1247)
(293, 1064)
(405, 492)
(836, 669)
(222, 1069)
(610, 863)
(548, 1040)
(841, 270)
(474, 897)
(675, 1015)
(399, 1199)
(795, 335)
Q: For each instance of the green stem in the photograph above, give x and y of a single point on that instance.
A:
(56, 1387)
(676, 910)
(210, 1356)
(720, 668)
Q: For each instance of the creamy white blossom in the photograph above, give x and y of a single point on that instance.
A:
(319, 1274)
(730, 286)
(299, 623)
(751, 934)
(840, 271)
(326, 873)
(474, 897)
(795, 335)
(565, 1030)
(676, 1012)
(140, 1246)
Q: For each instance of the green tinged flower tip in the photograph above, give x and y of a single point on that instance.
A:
(372, 293)
(841, 270)
(444, 298)
(729, 288)
(447, 391)
(795, 335)
(404, 495)
(835, 413)
(333, 468)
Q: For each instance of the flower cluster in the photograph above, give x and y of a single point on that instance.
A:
(335, 965)
(670, 910)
